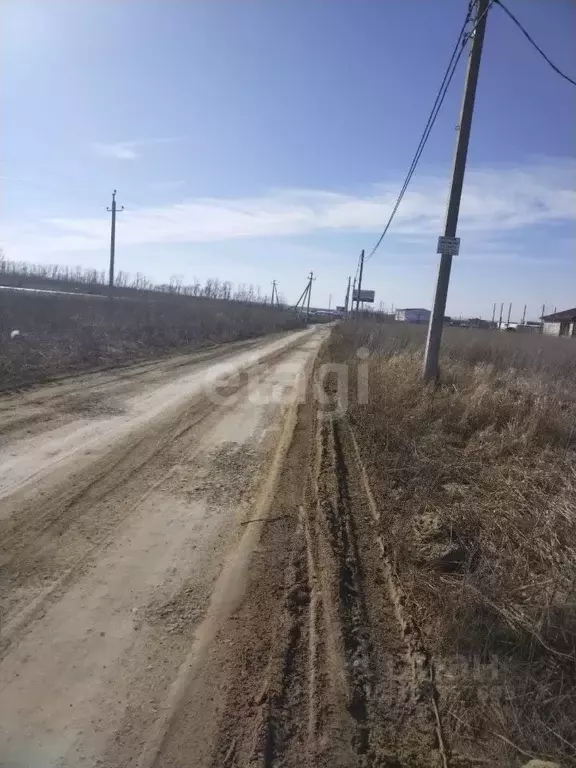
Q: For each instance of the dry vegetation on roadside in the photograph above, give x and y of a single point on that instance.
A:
(475, 480)
(67, 333)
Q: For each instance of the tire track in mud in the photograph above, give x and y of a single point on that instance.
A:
(419, 666)
(342, 678)
(390, 692)
(300, 700)
(313, 691)
(334, 510)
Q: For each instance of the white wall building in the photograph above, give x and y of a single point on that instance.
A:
(560, 323)
(413, 315)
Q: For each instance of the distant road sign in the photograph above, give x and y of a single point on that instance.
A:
(449, 245)
(340, 309)
(367, 296)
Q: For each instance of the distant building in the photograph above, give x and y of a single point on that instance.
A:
(530, 326)
(560, 323)
(477, 322)
(413, 315)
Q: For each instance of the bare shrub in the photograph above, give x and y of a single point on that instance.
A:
(60, 334)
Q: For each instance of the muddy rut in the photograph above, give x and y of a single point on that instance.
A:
(341, 677)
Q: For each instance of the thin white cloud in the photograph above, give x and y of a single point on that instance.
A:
(167, 186)
(126, 150)
(496, 200)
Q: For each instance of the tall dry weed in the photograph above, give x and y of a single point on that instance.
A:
(65, 334)
(476, 483)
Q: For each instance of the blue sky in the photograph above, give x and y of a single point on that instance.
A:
(259, 139)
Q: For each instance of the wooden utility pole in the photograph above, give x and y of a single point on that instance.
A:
(436, 325)
(347, 297)
(360, 281)
(310, 279)
(302, 297)
(114, 209)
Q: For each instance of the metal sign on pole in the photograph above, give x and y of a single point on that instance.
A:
(448, 245)
(362, 295)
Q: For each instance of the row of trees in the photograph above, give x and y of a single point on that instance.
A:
(24, 274)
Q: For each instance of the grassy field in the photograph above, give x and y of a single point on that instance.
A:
(68, 333)
(476, 482)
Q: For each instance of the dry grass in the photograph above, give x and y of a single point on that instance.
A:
(68, 333)
(476, 481)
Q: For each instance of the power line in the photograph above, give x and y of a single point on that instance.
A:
(440, 96)
(359, 283)
(533, 42)
(429, 124)
(357, 270)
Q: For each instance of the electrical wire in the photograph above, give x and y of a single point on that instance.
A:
(532, 41)
(357, 269)
(463, 38)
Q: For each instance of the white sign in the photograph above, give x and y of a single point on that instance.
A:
(449, 246)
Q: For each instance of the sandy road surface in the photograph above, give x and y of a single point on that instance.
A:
(131, 505)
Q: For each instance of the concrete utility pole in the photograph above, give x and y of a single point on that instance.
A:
(500, 320)
(347, 297)
(113, 238)
(305, 295)
(310, 279)
(437, 319)
(360, 281)
(493, 313)
(274, 293)
(329, 302)
(524, 314)
(509, 313)
(302, 298)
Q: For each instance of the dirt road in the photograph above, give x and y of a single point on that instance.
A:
(126, 501)
(193, 574)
